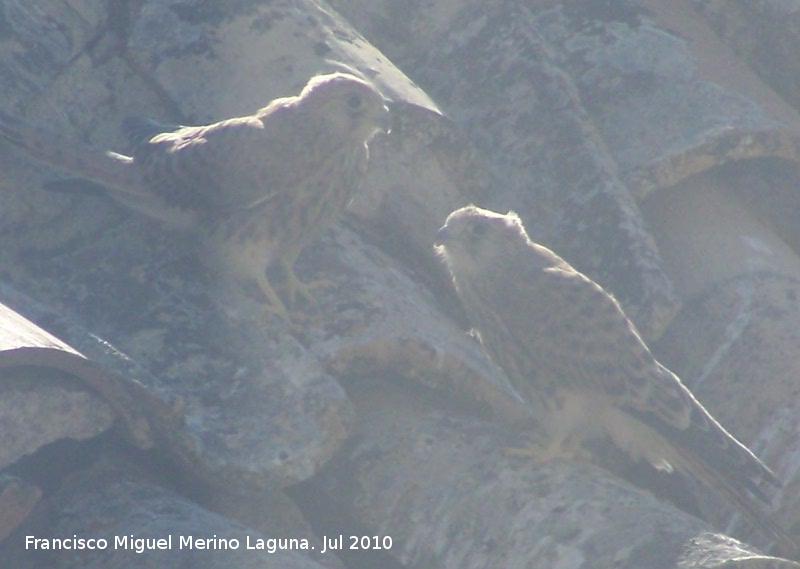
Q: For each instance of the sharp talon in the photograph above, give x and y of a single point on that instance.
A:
(295, 285)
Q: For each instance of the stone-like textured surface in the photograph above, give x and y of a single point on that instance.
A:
(480, 508)
(378, 321)
(29, 353)
(257, 406)
(717, 551)
(39, 406)
(17, 500)
(633, 68)
(477, 70)
(765, 35)
(118, 504)
(492, 72)
(741, 359)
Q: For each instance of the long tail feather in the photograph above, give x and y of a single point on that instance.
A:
(734, 496)
(107, 169)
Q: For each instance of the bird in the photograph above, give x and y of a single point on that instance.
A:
(575, 358)
(252, 191)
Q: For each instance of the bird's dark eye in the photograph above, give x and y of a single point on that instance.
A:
(354, 102)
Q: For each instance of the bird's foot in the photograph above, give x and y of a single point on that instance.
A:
(542, 448)
(273, 304)
(295, 286)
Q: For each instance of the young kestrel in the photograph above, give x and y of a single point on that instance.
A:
(572, 354)
(254, 189)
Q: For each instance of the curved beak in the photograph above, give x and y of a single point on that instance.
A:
(442, 236)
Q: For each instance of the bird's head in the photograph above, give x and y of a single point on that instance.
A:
(474, 239)
(351, 105)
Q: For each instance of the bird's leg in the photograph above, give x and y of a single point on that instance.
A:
(544, 448)
(295, 285)
(274, 304)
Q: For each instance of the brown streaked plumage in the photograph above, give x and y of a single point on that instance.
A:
(573, 355)
(255, 189)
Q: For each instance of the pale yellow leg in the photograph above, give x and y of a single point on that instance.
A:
(295, 285)
(544, 449)
(274, 304)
